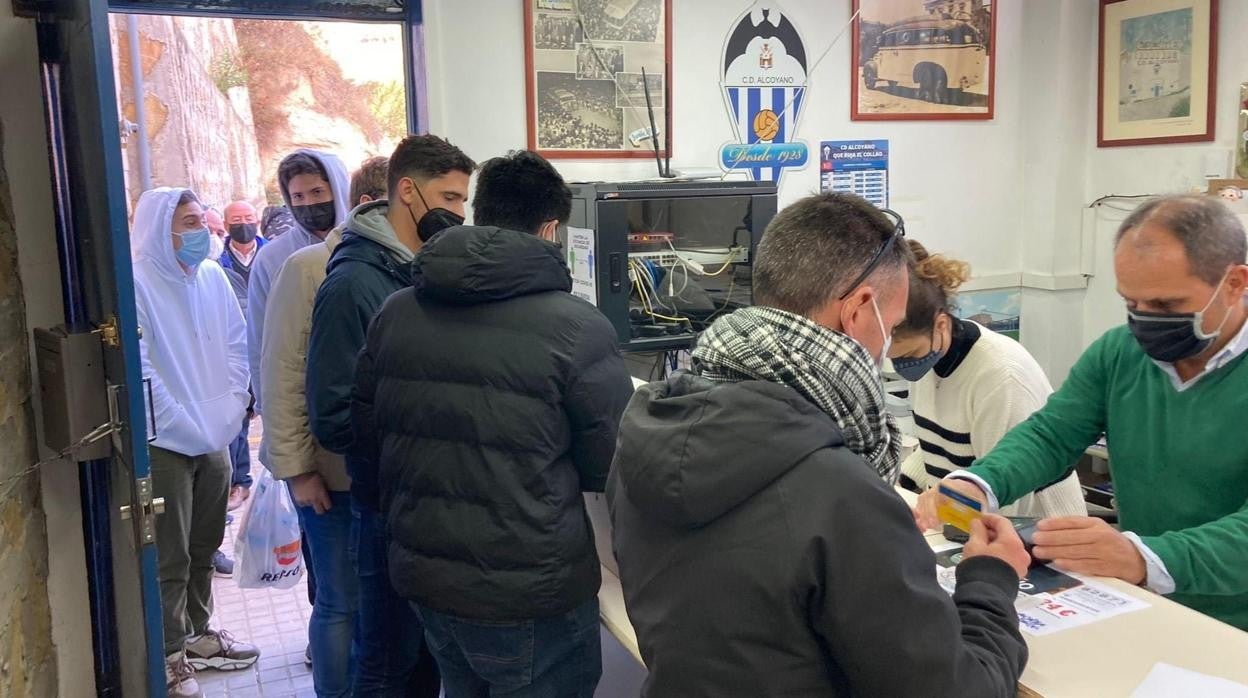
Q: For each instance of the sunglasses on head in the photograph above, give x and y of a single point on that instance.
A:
(894, 237)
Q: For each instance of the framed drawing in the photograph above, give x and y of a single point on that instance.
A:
(923, 59)
(1241, 133)
(583, 63)
(1158, 71)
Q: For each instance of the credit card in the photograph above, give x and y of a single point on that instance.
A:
(957, 509)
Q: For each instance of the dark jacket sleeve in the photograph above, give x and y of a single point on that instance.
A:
(888, 623)
(340, 322)
(598, 392)
(364, 477)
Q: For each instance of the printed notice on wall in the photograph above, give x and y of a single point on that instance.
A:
(581, 263)
(855, 167)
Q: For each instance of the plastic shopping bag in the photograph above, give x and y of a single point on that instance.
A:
(267, 551)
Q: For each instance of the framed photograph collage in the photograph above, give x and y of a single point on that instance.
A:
(584, 61)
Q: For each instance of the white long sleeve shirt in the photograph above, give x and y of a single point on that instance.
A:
(193, 346)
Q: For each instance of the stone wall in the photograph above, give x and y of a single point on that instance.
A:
(198, 112)
(302, 98)
(27, 661)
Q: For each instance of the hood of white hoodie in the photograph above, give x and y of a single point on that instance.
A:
(151, 234)
(339, 183)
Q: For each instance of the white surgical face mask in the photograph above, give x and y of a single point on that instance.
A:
(888, 338)
(216, 247)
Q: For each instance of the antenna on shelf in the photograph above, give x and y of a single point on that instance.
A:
(667, 124)
(654, 131)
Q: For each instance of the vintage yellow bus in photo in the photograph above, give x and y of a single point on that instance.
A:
(940, 58)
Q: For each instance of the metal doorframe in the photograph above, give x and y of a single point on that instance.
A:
(81, 299)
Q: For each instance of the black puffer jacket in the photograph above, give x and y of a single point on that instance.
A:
(493, 396)
(760, 557)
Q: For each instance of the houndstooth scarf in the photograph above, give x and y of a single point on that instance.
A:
(828, 368)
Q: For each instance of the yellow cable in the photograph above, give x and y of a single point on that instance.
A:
(645, 296)
(721, 269)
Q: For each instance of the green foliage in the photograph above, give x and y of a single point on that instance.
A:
(1182, 108)
(227, 71)
(388, 104)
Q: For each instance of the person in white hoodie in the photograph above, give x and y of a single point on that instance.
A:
(315, 188)
(189, 319)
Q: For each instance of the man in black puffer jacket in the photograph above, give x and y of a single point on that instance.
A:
(493, 397)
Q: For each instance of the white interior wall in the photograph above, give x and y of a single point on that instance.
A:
(956, 183)
(1006, 195)
(1161, 169)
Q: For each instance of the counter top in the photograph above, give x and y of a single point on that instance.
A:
(1106, 658)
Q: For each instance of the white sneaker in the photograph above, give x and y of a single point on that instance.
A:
(180, 677)
(217, 649)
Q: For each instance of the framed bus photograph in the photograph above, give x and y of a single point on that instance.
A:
(586, 97)
(1157, 71)
(923, 59)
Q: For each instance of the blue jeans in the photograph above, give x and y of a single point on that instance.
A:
(391, 636)
(240, 455)
(332, 627)
(557, 656)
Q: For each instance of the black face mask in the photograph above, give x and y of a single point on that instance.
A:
(1171, 337)
(434, 221)
(316, 218)
(243, 233)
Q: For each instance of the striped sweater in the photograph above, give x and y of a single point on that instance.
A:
(985, 385)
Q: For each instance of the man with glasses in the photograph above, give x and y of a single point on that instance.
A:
(752, 497)
(1168, 389)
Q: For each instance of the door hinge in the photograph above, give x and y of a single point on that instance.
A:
(149, 507)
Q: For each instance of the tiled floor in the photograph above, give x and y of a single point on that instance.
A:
(275, 620)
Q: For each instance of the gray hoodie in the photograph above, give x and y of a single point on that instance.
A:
(369, 221)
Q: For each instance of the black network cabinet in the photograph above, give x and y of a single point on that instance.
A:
(666, 258)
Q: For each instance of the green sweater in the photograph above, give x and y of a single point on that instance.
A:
(1179, 463)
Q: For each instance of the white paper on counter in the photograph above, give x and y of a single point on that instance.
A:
(1169, 681)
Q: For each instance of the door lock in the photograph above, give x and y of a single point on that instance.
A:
(110, 333)
(149, 508)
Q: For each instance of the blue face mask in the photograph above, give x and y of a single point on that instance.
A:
(195, 247)
(914, 369)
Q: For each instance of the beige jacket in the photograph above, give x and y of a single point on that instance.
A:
(288, 447)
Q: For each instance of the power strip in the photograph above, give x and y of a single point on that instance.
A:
(693, 259)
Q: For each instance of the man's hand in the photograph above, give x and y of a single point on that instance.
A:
(1088, 545)
(308, 490)
(925, 509)
(993, 535)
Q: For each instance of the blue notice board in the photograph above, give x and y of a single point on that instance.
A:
(857, 167)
